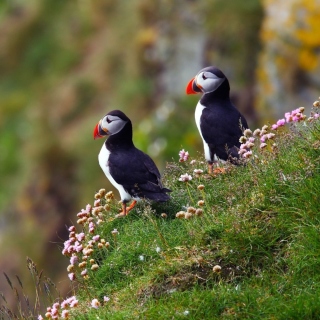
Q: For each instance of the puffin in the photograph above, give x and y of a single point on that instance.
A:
(130, 170)
(219, 123)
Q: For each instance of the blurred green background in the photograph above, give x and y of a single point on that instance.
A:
(65, 64)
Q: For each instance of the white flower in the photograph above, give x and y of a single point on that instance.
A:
(185, 177)
(141, 258)
(158, 249)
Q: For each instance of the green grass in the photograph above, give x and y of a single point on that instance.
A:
(260, 223)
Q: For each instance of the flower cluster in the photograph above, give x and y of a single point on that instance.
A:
(185, 177)
(184, 155)
(81, 246)
(190, 213)
(264, 135)
(61, 310)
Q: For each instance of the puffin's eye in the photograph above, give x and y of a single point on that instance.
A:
(108, 120)
(204, 77)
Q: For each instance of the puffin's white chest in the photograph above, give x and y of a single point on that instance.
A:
(104, 164)
(197, 115)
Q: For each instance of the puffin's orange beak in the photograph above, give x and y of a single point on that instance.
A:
(192, 87)
(98, 132)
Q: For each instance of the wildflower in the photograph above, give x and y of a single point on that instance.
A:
(263, 145)
(193, 162)
(185, 178)
(97, 203)
(200, 203)
(270, 135)
(84, 272)
(163, 215)
(48, 315)
(70, 268)
(198, 172)
(72, 229)
(80, 236)
(94, 267)
(184, 155)
(274, 127)
(249, 145)
(97, 196)
(109, 195)
(158, 249)
(40, 317)
(141, 258)
(200, 187)
(247, 133)
(91, 261)
(316, 104)
(82, 264)
(263, 138)
(251, 139)
(199, 212)
(106, 299)
(265, 127)
(95, 303)
(242, 139)
(191, 210)
(180, 214)
(107, 245)
(100, 245)
(114, 232)
(216, 269)
(256, 132)
(316, 115)
(186, 312)
(72, 276)
(65, 314)
(188, 215)
(106, 207)
(248, 154)
(96, 238)
(281, 122)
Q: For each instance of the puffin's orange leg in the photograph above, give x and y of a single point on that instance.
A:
(210, 165)
(126, 210)
(132, 205)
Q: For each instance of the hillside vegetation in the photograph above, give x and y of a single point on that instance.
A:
(243, 243)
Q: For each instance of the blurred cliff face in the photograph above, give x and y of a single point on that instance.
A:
(63, 65)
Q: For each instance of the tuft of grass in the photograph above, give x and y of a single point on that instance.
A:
(242, 243)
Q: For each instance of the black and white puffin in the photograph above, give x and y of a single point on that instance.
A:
(130, 170)
(220, 124)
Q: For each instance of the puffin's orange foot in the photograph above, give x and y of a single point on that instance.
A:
(126, 210)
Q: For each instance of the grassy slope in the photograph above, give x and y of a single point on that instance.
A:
(260, 224)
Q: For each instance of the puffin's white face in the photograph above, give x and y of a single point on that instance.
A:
(111, 124)
(108, 126)
(207, 81)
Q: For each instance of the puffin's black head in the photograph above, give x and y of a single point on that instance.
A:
(207, 80)
(112, 123)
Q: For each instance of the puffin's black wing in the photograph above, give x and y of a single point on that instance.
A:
(221, 129)
(138, 174)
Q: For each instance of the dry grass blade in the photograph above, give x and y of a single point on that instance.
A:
(10, 284)
(5, 311)
(32, 267)
(19, 281)
(3, 297)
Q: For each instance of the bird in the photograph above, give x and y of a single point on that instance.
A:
(219, 123)
(130, 170)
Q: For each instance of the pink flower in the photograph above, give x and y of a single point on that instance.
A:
(185, 177)
(316, 115)
(248, 154)
(65, 314)
(84, 272)
(74, 303)
(40, 317)
(251, 139)
(73, 260)
(193, 162)
(80, 236)
(281, 122)
(95, 303)
(96, 238)
(274, 127)
(184, 155)
(72, 228)
(106, 299)
(263, 145)
(72, 276)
